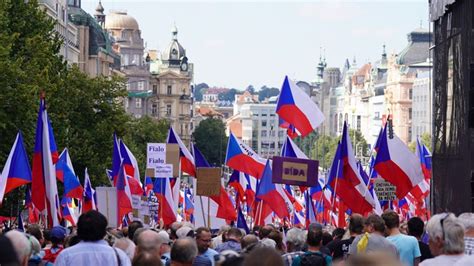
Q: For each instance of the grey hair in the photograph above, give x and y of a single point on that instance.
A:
(297, 237)
(467, 220)
(20, 243)
(453, 232)
(126, 245)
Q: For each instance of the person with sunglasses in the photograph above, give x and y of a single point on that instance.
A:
(446, 242)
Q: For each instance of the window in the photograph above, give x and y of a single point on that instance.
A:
(410, 113)
(263, 133)
(136, 59)
(359, 122)
(168, 109)
(410, 94)
(169, 90)
(154, 109)
(280, 133)
(126, 103)
(125, 60)
(128, 86)
(377, 115)
(272, 133)
(264, 123)
(141, 85)
(138, 103)
(155, 89)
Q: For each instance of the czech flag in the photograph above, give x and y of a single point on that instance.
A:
(345, 178)
(241, 222)
(188, 204)
(124, 196)
(17, 171)
(267, 191)
(162, 189)
(132, 172)
(68, 212)
(397, 164)
(290, 149)
(296, 107)
(44, 187)
(64, 168)
(116, 159)
(88, 199)
(242, 158)
(186, 159)
(310, 211)
(290, 129)
(235, 182)
(148, 185)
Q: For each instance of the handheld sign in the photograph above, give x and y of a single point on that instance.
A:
(295, 171)
(208, 181)
(385, 190)
(162, 160)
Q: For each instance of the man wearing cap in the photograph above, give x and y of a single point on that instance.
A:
(57, 236)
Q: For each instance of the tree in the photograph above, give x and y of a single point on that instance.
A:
(266, 92)
(425, 140)
(211, 140)
(250, 89)
(198, 89)
(228, 95)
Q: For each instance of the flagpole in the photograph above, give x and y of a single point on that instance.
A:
(335, 187)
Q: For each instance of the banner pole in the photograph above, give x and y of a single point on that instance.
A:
(335, 187)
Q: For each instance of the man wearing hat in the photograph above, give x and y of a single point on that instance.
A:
(57, 235)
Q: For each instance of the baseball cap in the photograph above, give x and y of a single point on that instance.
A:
(58, 232)
(185, 231)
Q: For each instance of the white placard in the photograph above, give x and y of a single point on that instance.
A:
(107, 203)
(155, 154)
(164, 170)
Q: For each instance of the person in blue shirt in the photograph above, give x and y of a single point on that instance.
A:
(407, 246)
(203, 241)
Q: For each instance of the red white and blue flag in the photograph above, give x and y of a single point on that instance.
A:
(397, 164)
(162, 189)
(132, 172)
(17, 171)
(116, 159)
(267, 192)
(124, 195)
(296, 107)
(44, 187)
(88, 198)
(65, 170)
(186, 159)
(242, 158)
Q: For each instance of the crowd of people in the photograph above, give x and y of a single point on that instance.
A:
(373, 240)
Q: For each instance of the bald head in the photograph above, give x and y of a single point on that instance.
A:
(248, 240)
(21, 245)
(149, 241)
(183, 251)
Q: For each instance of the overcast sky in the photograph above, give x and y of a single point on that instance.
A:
(237, 43)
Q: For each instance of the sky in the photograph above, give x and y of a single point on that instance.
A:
(237, 43)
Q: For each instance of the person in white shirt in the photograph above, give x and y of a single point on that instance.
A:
(446, 242)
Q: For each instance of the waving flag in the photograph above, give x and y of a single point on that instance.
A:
(64, 168)
(186, 159)
(345, 178)
(267, 191)
(235, 182)
(162, 189)
(297, 108)
(44, 187)
(310, 211)
(88, 198)
(188, 205)
(397, 164)
(68, 212)
(16, 171)
(241, 222)
(124, 195)
(132, 172)
(148, 185)
(242, 158)
(290, 129)
(116, 159)
(290, 149)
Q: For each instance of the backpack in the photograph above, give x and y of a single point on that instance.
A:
(313, 259)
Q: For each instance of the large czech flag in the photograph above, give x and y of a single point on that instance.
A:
(132, 172)
(65, 170)
(242, 158)
(397, 164)
(162, 189)
(268, 192)
(186, 159)
(17, 171)
(296, 107)
(124, 196)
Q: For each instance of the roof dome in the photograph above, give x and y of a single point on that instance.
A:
(174, 51)
(120, 20)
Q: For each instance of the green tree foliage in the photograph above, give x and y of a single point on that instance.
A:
(198, 91)
(266, 92)
(251, 89)
(211, 140)
(425, 140)
(228, 96)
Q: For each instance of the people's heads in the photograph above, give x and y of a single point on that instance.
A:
(126, 246)
(147, 258)
(223, 232)
(263, 256)
(185, 231)
(265, 231)
(21, 244)
(234, 234)
(391, 219)
(183, 251)
(373, 258)
(248, 240)
(57, 235)
(173, 228)
(35, 245)
(327, 237)
(35, 230)
(255, 230)
(416, 227)
(149, 241)
(277, 236)
(467, 220)
(446, 234)
(137, 233)
(375, 224)
(8, 254)
(356, 224)
(133, 227)
(314, 238)
(91, 226)
(165, 241)
(203, 239)
(295, 239)
(315, 227)
(338, 233)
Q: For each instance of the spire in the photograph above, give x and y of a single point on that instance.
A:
(99, 9)
(99, 14)
(174, 32)
(384, 55)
